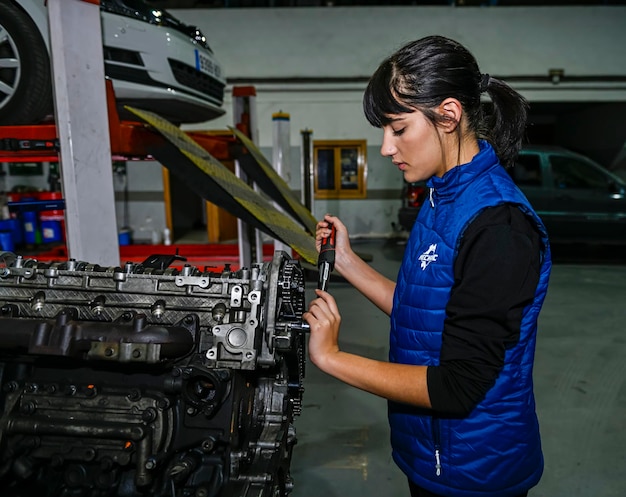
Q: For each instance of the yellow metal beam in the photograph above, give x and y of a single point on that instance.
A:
(287, 198)
(210, 179)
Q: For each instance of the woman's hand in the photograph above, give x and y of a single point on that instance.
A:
(399, 382)
(342, 239)
(324, 322)
(376, 287)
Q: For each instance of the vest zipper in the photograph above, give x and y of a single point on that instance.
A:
(430, 197)
(437, 441)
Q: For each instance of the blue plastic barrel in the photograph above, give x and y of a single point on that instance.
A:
(29, 220)
(51, 231)
(6, 241)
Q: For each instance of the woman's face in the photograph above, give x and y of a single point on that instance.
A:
(414, 146)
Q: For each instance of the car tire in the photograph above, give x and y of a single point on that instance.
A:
(25, 75)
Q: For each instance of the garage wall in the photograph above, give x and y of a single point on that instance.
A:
(313, 63)
(145, 212)
(351, 41)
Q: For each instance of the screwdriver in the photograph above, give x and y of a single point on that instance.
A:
(326, 259)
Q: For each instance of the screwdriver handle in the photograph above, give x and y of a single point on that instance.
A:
(327, 249)
(326, 259)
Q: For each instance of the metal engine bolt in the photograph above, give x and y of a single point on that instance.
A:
(11, 386)
(158, 309)
(38, 302)
(70, 390)
(97, 306)
(134, 395)
(28, 408)
(218, 312)
(207, 445)
(149, 415)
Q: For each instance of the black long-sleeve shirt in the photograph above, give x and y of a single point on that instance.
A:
(496, 273)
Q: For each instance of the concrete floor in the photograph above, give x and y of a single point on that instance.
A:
(580, 386)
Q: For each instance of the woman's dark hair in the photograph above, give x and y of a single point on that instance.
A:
(425, 72)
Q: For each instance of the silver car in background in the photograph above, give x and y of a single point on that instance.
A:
(155, 62)
(578, 200)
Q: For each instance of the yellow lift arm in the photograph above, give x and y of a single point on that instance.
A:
(211, 180)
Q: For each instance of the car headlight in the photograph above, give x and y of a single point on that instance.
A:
(140, 10)
(135, 9)
(197, 35)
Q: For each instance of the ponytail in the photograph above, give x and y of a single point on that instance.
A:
(504, 123)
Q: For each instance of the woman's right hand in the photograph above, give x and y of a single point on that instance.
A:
(342, 239)
(376, 287)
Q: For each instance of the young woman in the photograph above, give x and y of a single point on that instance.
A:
(464, 309)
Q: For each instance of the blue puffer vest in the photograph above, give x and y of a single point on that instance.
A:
(496, 449)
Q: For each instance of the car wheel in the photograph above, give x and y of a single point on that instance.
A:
(25, 77)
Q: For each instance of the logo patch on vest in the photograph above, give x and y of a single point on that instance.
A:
(429, 256)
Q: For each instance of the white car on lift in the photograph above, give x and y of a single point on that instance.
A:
(155, 62)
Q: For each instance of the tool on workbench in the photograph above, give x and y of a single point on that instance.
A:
(326, 259)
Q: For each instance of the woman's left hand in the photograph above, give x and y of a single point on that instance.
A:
(324, 322)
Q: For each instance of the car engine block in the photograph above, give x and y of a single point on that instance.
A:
(147, 380)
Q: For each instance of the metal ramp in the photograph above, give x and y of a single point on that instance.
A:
(258, 168)
(211, 180)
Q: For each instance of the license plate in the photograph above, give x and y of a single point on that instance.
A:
(206, 65)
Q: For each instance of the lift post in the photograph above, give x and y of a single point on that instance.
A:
(281, 147)
(244, 115)
(83, 129)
